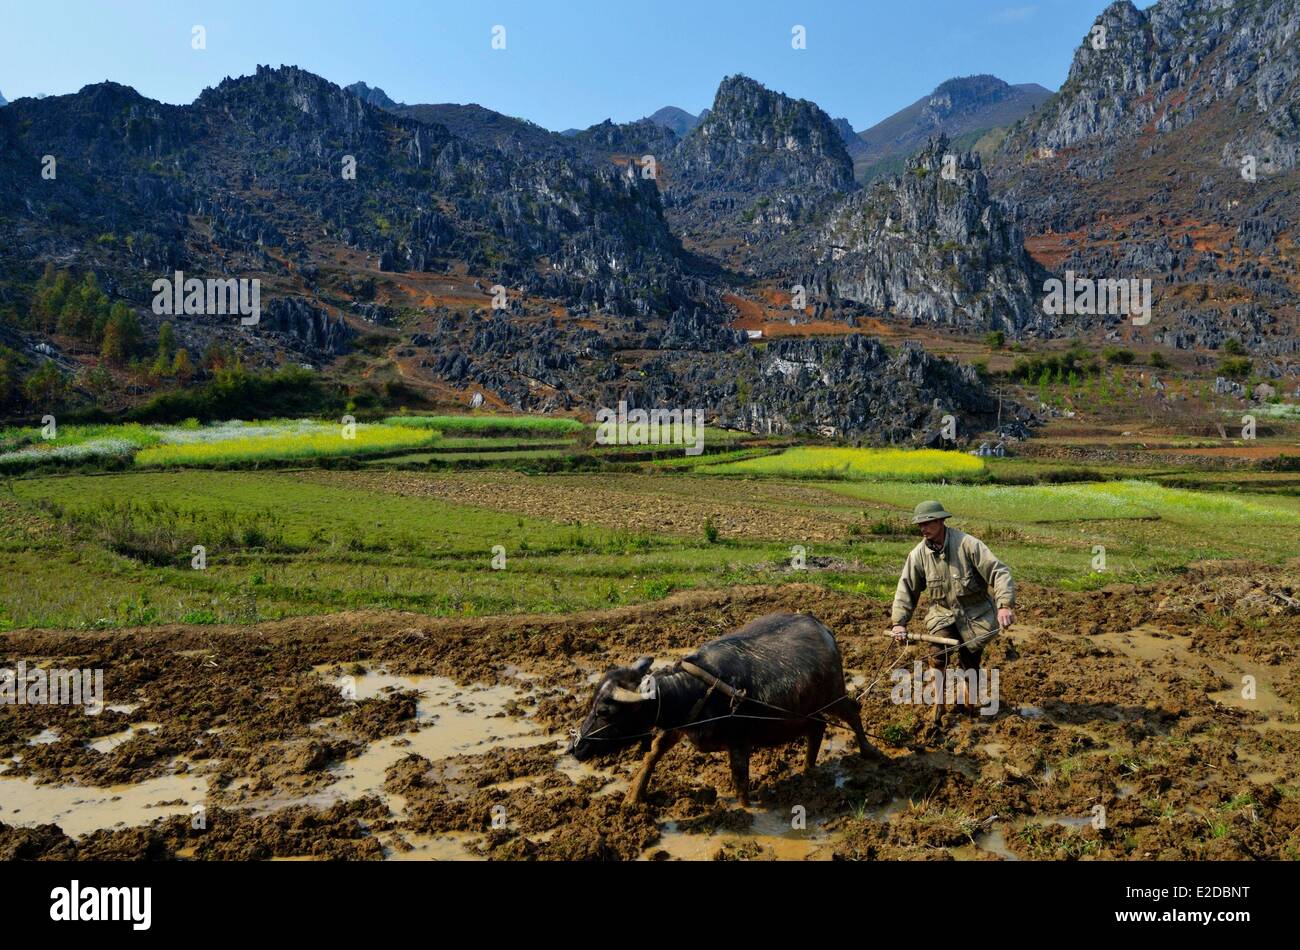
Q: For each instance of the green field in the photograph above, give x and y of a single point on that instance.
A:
(192, 444)
(76, 555)
(535, 425)
(104, 550)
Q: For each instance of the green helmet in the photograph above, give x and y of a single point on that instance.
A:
(929, 511)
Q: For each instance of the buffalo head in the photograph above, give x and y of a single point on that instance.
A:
(622, 711)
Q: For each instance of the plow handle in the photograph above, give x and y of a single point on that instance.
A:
(928, 638)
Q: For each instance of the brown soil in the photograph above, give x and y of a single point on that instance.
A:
(1128, 698)
(738, 509)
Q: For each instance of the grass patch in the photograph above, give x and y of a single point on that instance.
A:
(496, 425)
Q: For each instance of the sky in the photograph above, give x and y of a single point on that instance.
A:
(566, 63)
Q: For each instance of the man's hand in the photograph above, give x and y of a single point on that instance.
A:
(899, 632)
(1006, 617)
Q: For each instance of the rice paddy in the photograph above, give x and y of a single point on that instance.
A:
(310, 441)
(857, 464)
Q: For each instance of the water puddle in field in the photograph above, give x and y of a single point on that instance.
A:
(986, 843)
(108, 743)
(79, 810)
(771, 834)
(774, 833)
(1145, 643)
(615, 783)
(450, 720)
(448, 846)
(1252, 686)
(1253, 690)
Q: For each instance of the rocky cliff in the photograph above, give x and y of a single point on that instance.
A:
(933, 246)
(1170, 154)
(847, 387)
(758, 166)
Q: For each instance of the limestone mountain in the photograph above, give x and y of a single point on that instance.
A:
(849, 386)
(377, 233)
(931, 245)
(373, 95)
(596, 144)
(485, 127)
(637, 139)
(678, 120)
(252, 180)
(759, 165)
(964, 109)
(1170, 154)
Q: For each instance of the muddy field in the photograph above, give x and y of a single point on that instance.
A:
(1124, 731)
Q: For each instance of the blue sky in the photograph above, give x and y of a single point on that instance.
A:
(566, 62)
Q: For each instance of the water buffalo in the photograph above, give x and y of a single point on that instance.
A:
(788, 669)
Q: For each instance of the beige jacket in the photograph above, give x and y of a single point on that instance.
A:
(960, 577)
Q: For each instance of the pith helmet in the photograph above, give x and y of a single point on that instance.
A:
(929, 511)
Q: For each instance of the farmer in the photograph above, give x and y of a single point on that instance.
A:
(972, 597)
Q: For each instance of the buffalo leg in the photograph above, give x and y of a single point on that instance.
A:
(740, 772)
(662, 743)
(848, 711)
(814, 744)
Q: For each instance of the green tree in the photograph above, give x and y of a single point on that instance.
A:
(162, 364)
(1235, 367)
(51, 292)
(85, 309)
(45, 387)
(121, 335)
(166, 341)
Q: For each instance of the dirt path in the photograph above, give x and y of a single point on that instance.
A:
(376, 734)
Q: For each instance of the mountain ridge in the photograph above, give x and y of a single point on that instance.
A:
(957, 108)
